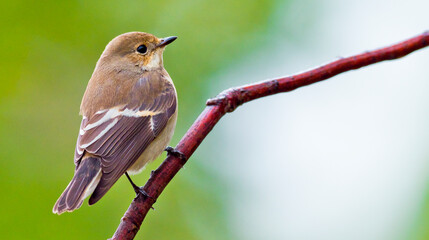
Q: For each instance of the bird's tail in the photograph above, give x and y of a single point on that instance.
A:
(84, 181)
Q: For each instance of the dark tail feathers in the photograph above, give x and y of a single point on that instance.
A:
(84, 181)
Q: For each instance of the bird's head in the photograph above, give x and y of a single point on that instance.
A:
(135, 50)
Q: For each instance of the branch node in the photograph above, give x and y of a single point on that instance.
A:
(229, 99)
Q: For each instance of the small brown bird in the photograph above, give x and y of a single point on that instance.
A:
(129, 114)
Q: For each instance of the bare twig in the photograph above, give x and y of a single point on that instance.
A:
(228, 101)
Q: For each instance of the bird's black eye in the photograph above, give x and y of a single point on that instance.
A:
(142, 49)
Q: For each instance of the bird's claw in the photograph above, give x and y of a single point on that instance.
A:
(172, 151)
(139, 190)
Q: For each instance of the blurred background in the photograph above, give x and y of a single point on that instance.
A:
(347, 158)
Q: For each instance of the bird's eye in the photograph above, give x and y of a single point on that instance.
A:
(142, 49)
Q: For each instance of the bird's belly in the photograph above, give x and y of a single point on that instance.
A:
(156, 147)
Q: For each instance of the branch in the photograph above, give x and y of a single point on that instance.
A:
(228, 101)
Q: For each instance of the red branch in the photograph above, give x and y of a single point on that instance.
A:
(228, 101)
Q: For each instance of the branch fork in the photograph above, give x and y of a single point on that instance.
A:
(229, 99)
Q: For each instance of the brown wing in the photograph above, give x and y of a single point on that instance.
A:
(119, 135)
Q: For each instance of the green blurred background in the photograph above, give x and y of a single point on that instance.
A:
(49, 50)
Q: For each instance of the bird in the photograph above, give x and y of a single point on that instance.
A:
(129, 113)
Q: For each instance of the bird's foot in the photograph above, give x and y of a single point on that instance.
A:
(139, 190)
(172, 151)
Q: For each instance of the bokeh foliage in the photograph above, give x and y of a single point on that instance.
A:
(49, 49)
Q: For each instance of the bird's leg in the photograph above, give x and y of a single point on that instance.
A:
(137, 189)
(176, 153)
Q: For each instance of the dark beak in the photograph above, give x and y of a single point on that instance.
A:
(165, 41)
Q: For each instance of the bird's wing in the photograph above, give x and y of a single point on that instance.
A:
(119, 135)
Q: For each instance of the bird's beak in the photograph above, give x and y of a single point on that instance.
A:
(165, 41)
